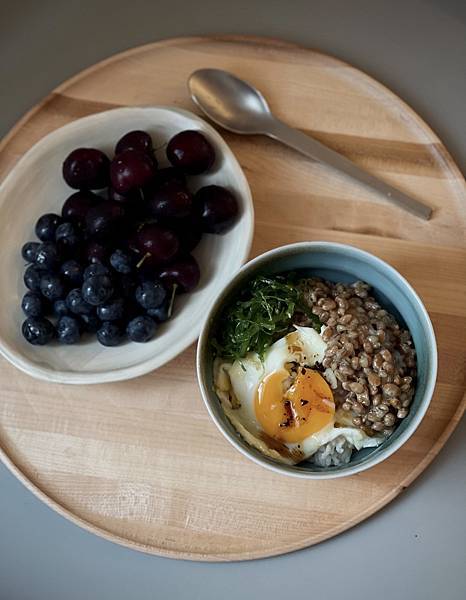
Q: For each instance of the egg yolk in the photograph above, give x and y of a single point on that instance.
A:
(294, 414)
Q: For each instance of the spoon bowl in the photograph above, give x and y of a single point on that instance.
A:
(230, 102)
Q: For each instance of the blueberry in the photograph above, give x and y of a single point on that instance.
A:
(29, 251)
(67, 236)
(51, 286)
(97, 289)
(68, 331)
(141, 329)
(90, 322)
(32, 276)
(162, 313)
(96, 268)
(37, 331)
(46, 227)
(76, 303)
(47, 256)
(150, 294)
(32, 304)
(121, 262)
(112, 310)
(60, 308)
(72, 272)
(110, 334)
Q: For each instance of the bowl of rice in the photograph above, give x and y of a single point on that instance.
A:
(318, 360)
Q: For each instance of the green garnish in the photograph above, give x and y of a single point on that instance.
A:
(261, 314)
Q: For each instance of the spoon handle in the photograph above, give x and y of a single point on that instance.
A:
(278, 130)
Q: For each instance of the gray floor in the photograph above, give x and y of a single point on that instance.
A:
(415, 548)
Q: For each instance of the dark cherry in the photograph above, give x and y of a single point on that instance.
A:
(131, 197)
(156, 244)
(216, 207)
(114, 196)
(138, 212)
(168, 174)
(105, 219)
(135, 140)
(86, 169)
(136, 206)
(131, 241)
(188, 230)
(78, 205)
(183, 272)
(171, 200)
(191, 152)
(131, 169)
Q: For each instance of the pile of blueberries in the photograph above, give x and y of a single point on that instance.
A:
(113, 262)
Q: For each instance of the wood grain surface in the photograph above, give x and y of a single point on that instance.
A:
(140, 462)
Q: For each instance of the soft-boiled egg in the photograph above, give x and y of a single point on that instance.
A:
(280, 404)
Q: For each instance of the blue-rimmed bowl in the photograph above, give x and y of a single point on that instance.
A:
(335, 262)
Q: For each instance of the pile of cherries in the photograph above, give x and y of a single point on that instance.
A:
(112, 263)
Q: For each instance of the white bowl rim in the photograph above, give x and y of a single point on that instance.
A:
(283, 469)
(144, 367)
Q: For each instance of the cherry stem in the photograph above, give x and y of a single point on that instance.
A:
(172, 300)
(141, 262)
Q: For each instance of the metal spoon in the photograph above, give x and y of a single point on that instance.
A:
(239, 107)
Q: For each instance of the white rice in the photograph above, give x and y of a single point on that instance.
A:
(334, 454)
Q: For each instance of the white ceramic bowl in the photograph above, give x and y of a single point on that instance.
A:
(335, 262)
(35, 186)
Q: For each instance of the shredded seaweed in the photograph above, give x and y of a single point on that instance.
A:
(259, 315)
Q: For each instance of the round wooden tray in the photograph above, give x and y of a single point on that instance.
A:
(140, 462)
